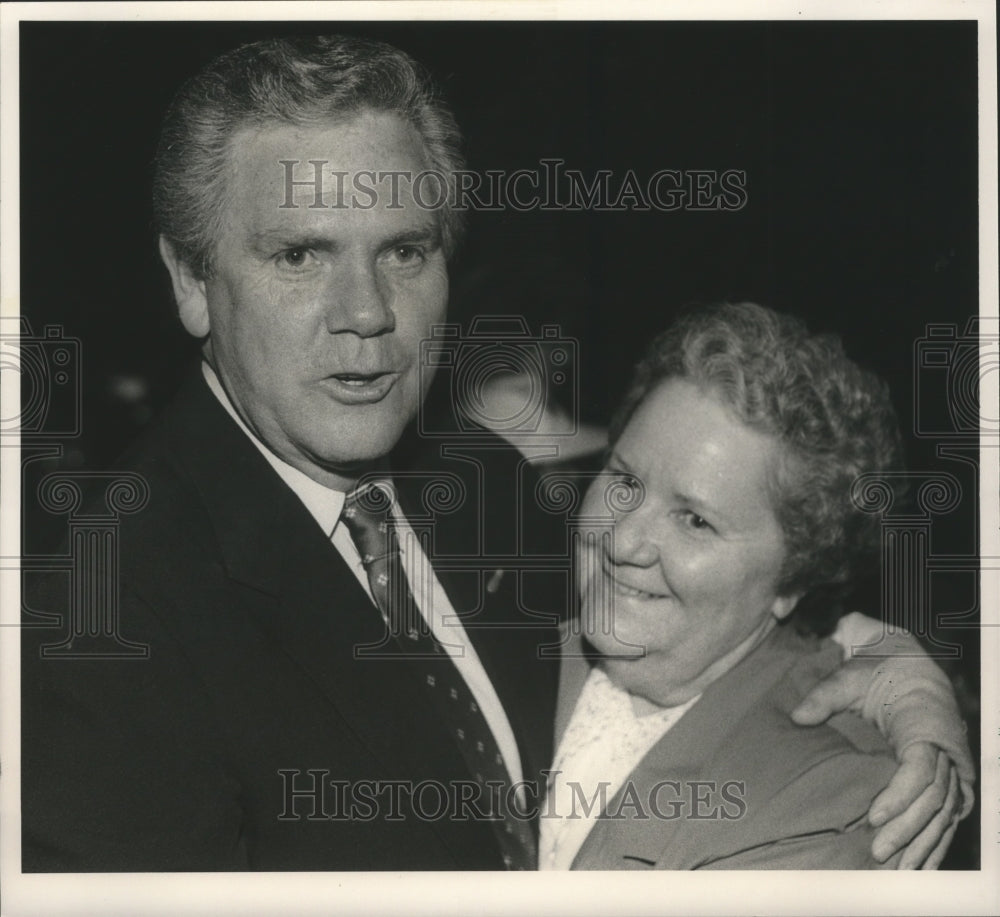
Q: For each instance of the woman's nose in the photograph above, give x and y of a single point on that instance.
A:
(633, 539)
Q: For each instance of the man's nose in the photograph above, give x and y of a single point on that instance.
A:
(358, 301)
(633, 538)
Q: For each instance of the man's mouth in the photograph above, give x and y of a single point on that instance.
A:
(360, 388)
(358, 380)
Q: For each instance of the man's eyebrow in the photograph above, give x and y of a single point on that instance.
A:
(429, 233)
(291, 237)
(287, 238)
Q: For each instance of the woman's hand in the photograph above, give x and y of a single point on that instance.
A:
(911, 701)
(919, 809)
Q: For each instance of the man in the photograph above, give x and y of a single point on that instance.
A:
(305, 704)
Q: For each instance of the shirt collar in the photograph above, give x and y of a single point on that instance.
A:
(324, 503)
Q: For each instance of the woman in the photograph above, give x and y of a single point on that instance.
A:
(708, 599)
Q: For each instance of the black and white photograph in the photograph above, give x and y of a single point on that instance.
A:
(447, 442)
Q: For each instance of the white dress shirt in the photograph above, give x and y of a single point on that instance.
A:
(325, 506)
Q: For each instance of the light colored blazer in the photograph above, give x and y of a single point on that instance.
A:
(797, 797)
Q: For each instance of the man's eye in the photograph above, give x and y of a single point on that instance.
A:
(407, 254)
(295, 257)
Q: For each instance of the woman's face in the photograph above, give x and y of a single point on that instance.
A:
(690, 576)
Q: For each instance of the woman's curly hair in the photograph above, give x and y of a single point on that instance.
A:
(834, 421)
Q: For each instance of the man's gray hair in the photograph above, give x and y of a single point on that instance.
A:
(301, 81)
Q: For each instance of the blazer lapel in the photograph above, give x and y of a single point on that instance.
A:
(573, 673)
(691, 752)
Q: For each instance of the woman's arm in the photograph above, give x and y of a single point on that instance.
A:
(817, 820)
(889, 680)
(850, 850)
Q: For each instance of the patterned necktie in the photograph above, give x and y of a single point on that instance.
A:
(367, 514)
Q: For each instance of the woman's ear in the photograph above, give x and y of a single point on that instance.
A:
(189, 291)
(784, 605)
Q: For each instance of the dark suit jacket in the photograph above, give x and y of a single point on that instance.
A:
(175, 761)
(751, 790)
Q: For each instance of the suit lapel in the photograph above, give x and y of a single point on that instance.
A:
(314, 606)
(505, 640)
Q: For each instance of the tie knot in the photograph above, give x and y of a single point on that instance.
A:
(373, 499)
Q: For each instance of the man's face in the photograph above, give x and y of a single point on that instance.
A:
(315, 315)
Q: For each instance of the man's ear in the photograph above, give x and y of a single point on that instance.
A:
(784, 605)
(189, 291)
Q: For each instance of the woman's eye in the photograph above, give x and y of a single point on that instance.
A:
(625, 482)
(694, 521)
(624, 493)
(631, 482)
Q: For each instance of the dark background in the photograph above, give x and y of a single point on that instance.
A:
(859, 141)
